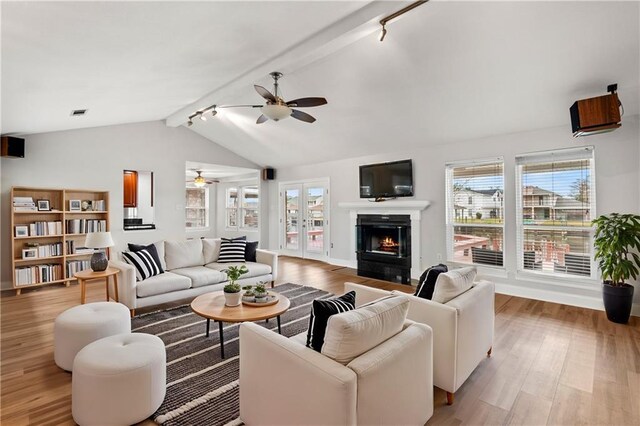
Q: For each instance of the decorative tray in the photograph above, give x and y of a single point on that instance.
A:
(272, 299)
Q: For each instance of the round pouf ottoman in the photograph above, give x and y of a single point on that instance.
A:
(118, 380)
(76, 327)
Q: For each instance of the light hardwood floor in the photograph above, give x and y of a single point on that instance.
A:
(551, 364)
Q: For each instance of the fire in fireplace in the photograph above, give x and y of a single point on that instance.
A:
(384, 247)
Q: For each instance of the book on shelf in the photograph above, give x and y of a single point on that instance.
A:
(38, 274)
(24, 208)
(45, 228)
(99, 206)
(84, 226)
(72, 249)
(74, 266)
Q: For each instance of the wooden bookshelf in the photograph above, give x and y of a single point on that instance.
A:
(59, 200)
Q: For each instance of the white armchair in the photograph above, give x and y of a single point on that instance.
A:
(462, 330)
(283, 382)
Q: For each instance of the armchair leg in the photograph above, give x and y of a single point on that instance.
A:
(449, 398)
(133, 312)
(489, 352)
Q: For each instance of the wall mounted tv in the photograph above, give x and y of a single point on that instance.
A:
(386, 180)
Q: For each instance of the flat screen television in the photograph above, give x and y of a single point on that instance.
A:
(386, 180)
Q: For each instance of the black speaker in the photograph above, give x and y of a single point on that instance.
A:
(268, 174)
(12, 147)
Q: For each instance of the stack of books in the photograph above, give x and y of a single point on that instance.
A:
(74, 266)
(72, 249)
(38, 274)
(99, 206)
(24, 204)
(84, 226)
(45, 228)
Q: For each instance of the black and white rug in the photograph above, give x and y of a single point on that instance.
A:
(202, 388)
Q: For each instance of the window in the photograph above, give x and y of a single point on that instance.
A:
(555, 201)
(197, 208)
(232, 208)
(249, 207)
(475, 212)
(243, 207)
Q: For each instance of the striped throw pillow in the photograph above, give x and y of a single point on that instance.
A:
(145, 264)
(232, 251)
(321, 310)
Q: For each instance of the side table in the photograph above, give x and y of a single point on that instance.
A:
(89, 274)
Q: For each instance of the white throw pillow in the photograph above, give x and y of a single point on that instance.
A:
(450, 285)
(183, 254)
(211, 249)
(350, 334)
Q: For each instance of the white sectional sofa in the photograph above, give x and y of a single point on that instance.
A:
(191, 269)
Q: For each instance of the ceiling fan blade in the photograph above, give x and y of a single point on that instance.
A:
(265, 93)
(302, 116)
(307, 102)
(262, 119)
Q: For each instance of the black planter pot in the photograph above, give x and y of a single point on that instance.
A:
(617, 302)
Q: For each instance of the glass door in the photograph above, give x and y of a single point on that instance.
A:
(304, 220)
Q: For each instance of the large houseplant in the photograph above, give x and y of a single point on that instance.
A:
(617, 243)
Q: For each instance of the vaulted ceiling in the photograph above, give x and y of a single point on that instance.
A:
(446, 71)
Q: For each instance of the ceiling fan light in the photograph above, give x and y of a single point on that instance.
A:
(276, 112)
(199, 181)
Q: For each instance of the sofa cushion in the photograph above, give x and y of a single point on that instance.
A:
(211, 249)
(250, 251)
(450, 285)
(232, 250)
(161, 284)
(201, 276)
(427, 282)
(350, 334)
(321, 311)
(145, 262)
(159, 246)
(182, 254)
(255, 269)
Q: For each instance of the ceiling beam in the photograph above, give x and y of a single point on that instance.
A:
(351, 28)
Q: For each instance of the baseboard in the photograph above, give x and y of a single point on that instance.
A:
(343, 262)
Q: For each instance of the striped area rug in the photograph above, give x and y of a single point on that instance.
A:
(202, 388)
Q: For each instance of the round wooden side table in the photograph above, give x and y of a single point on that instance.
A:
(89, 274)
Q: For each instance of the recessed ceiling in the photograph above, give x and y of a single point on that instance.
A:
(216, 171)
(137, 61)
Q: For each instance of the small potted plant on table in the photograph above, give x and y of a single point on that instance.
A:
(232, 293)
(260, 293)
(248, 294)
(617, 243)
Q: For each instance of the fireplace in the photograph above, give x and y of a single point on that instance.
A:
(383, 247)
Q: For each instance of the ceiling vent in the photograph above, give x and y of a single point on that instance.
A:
(78, 112)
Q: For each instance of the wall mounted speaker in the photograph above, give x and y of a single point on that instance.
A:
(268, 174)
(12, 147)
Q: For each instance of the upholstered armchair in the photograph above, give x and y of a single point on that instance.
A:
(283, 382)
(462, 330)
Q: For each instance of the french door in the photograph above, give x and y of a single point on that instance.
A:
(304, 219)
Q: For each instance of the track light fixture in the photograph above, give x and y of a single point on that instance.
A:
(402, 11)
(203, 117)
(189, 123)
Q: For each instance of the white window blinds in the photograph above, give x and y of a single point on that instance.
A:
(475, 212)
(555, 203)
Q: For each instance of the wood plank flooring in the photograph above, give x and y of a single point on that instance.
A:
(551, 364)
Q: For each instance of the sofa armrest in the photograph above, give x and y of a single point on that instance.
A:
(126, 283)
(365, 294)
(476, 315)
(406, 359)
(268, 258)
(285, 383)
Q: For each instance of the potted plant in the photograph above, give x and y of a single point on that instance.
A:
(617, 242)
(248, 294)
(232, 294)
(260, 293)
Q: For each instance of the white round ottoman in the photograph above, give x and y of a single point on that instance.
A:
(119, 380)
(76, 327)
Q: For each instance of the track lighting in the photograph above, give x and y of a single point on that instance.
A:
(189, 123)
(202, 117)
(214, 112)
(402, 11)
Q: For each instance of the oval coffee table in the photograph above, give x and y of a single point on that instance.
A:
(211, 306)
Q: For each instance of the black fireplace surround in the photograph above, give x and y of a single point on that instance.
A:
(383, 246)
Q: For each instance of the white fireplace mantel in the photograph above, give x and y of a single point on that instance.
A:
(411, 207)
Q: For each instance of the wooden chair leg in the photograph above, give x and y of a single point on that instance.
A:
(133, 312)
(489, 352)
(273, 283)
(449, 398)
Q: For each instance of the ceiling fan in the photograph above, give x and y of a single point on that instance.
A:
(275, 108)
(200, 180)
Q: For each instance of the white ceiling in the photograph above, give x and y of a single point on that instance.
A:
(216, 171)
(447, 71)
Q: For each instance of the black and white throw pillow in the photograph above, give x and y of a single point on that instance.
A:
(428, 279)
(146, 266)
(250, 251)
(232, 250)
(151, 248)
(321, 310)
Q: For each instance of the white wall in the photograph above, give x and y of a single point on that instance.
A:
(94, 158)
(617, 176)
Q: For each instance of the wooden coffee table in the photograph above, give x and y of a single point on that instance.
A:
(211, 306)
